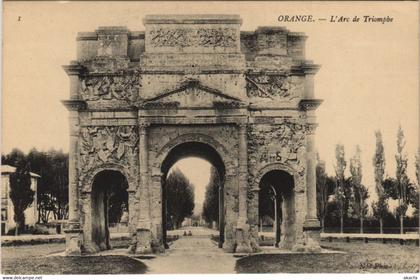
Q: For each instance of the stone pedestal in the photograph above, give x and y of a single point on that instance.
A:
(73, 236)
(144, 238)
(312, 235)
(242, 239)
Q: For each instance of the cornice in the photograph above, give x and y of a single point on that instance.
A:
(74, 104)
(309, 104)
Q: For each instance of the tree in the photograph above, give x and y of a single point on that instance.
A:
(324, 188)
(117, 198)
(418, 168)
(211, 200)
(14, 158)
(180, 198)
(21, 194)
(380, 207)
(52, 190)
(52, 166)
(360, 192)
(402, 181)
(415, 196)
(340, 192)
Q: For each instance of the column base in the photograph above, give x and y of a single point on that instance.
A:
(90, 248)
(254, 238)
(144, 240)
(242, 239)
(73, 241)
(229, 246)
(312, 235)
(287, 243)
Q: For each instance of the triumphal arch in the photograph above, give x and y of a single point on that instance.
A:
(191, 85)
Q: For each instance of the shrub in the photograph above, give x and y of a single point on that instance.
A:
(38, 229)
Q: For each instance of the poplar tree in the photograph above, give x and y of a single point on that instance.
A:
(402, 181)
(380, 207)
(360, 192)
(324, 188)
(340, 194)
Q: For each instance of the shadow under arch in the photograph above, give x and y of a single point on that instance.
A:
(87, 181)
(105, 184)
(277, 199)
(201, 150)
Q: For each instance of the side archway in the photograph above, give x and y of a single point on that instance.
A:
(276, 203)
(108, 189)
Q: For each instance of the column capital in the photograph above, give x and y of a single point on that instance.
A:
(310, 128)
(310, 68)
(242, 125)
(143, 127)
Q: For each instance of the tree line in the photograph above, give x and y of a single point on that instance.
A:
(52, 191)
(179, 198)
(345, 198)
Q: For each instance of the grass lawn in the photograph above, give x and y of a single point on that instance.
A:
(359, 258)
(31, 260)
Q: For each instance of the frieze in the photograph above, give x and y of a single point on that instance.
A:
(202, 37)
(273, 86)
(226, 104)
(125, 88)
(160, 105)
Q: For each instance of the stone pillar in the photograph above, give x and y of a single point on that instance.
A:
(73, 193)
(230, 186)
(221, 225)
(242, 228)
(311, 214)
(311, 226)
(73, 231)
(144, 236)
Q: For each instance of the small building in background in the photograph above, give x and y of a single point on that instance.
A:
(31, 213)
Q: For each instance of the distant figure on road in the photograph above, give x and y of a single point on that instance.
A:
(189, 233)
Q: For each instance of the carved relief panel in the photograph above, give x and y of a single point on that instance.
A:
(101, 146)
(278, 87)
(110, 87)
(277, 143)
(193, 37)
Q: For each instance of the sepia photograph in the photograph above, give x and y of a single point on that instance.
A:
(210, 137)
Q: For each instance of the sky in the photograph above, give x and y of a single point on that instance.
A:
(368, 79)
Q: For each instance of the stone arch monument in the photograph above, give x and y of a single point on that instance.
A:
(190, 85)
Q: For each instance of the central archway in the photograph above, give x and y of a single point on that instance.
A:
(203, 151)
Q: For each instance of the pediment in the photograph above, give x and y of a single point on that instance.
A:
(192, 94)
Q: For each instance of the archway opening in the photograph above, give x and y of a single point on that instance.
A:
(187, 158)
(109, 207)
(276, 206)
